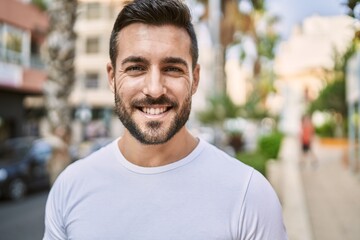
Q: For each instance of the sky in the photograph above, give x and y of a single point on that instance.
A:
(293, 12)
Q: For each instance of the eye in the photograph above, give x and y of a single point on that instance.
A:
(135, 68)
(173, 69)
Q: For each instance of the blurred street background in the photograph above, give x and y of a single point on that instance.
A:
(265, 64)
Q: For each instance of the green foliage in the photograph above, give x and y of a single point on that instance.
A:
(333, 126)
(41, 4)
(253, 108)
(220, 108)
(269, 145)
(326, 130)
(351, 4)
(332, 98)
(268, 148)
(258, 5)
(267, 44)
(254, 159)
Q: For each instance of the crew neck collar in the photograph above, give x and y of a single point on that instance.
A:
(156, 170)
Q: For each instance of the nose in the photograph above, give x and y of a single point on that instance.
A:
(154, 84)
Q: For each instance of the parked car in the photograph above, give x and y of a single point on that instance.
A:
(23, 166)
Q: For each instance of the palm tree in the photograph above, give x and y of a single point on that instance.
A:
(351, 5)
(233, 20)
(59, 54)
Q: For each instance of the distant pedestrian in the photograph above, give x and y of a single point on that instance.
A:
(307, 137)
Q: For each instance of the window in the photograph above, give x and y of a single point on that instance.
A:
(92, 10)
(2, 44)
(92, 45)
(35, 58)
(12, 41)
(91, 80)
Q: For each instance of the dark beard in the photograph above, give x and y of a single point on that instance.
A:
(152, 134)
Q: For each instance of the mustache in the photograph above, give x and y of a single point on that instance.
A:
(162, 100)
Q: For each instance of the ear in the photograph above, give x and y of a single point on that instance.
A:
(196, 79)
(111, 76)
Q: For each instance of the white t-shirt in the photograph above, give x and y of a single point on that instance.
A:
(207, 195)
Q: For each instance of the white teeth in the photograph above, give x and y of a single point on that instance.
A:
(154, 111)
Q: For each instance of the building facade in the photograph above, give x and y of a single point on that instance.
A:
(91, 98)
(22, 31)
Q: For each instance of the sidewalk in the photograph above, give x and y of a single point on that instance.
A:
(320, 203)
(332, 194)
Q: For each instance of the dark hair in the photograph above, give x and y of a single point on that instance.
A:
(154, 12)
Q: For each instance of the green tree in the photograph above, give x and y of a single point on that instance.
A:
(331, 99)
(265, 40)
(221, 107)
(351, 5)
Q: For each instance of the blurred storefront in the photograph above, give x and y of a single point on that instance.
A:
(22, 30)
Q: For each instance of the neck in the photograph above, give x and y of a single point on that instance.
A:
(178, 147)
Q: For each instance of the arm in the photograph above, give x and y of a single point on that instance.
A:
(261, 213)
(54, 227)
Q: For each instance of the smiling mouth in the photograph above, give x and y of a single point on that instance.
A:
(154, 110)
(154, 106)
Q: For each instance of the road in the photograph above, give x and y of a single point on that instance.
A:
(23, 220)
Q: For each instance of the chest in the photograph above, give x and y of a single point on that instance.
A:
(151, 210)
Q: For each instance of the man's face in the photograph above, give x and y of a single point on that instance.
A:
(153, 81)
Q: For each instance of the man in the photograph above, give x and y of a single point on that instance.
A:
(157, 181)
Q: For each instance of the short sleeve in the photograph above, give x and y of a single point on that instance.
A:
(54, 226)
(261, 213)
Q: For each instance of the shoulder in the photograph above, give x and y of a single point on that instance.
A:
(239, 173)
(213, 156)
(261, 214)
(223, 170)
(90, 165)
(80, 177)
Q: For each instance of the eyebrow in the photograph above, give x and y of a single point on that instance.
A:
(134, 59)
(167, 60)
